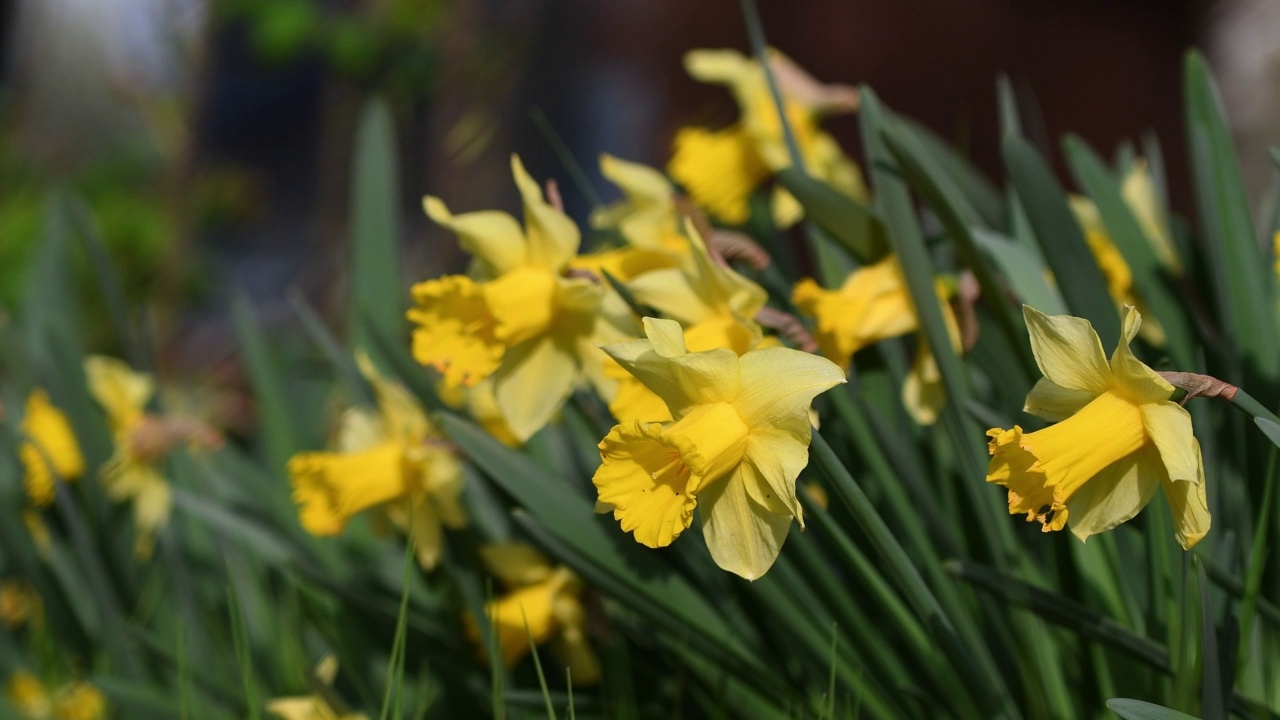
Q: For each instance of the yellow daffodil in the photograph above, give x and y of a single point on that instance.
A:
(316, 706)
(542, 601)
(395, 460)
(874, 304)
(524, 321)
(715, 305)
(73, 701)
(721, 169)
(1117, 437)
(142, 443)
(50, 449)
(19, 603)
(739, 439)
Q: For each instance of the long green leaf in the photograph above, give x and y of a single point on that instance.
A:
(277, 428)
(1064, 247)
(1226, 225)
(377, 293)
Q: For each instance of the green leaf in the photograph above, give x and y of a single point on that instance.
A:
(1024, 270)
(849, 222)
(1122, 227)
(1269, 428)
(1139, 710)
(1213, 702)
(377, 293)
(1226, 226)
(1079, 279)
(274, 419)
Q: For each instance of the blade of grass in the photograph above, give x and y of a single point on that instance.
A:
(537, 666)
(244, 657)
(1213, 703)
(395, 666)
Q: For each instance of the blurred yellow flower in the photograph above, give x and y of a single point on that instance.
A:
(1139, 191)
(19, 603)
(396, 460)
(721, 169)
(716, 306)
(543, 599)
(647, 216)
(1117, 437)
(740, 438)
(314, 707)
(524, 321)
(874, 304)
(73, 701)
(50, 449)
(142, 442)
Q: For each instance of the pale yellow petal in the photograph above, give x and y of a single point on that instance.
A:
(672, 293)
(779, 383)
(1052, 402)
(535, 379)
(923, 393)
(682, 381)
(426, 531)
(1138, 382)
(515, 563)
(1140, 193)
(552, 237)
(1068, 351)
(724, 67)
(1115, 495)
(777, 455)
(666, 336)
(641, 183)
(491, 235)
(1190, 506)
(120, 391)
(1169, 426)
(743, 537)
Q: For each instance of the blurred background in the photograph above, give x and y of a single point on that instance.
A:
(212, 139)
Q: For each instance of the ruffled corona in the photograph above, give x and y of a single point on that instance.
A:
(719, 170)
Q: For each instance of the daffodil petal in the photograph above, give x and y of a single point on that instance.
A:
(641, 183)
(1190, 507)
(532, 384)
(426, 531)
(1114, 495)
(666, 335)
(778, 383)
(743, 537)
(1169, 425)
(682, 381)
(1052, 402)
(491, 235)
(553, 238)
(923, 393)
(1132, 376)
(515, 563)
(1068, 351)
(670, 292)
(777, 456)
(725, 67)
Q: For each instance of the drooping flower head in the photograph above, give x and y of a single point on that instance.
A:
(541, 600)
(142, 443)
(1117, 437)
(50, 448)
(395, 460)
(875, 304)
(739, 438)
(521, 320)
(722, 168)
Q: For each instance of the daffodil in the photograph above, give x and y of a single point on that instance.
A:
(73, 701)
(1117, 438)
(315, 706)
(874, 304)
(395, 460)
(524, 320)
(142, 443)
(715, 305)
(1139, 191)
(50, 449)
(646, 217)
(541, 600)
(721, 169)
(739, 439)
